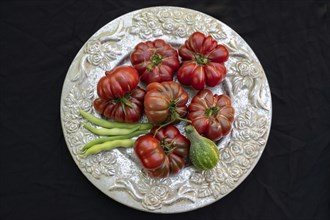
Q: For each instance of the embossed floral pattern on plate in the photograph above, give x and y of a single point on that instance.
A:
(118, 173)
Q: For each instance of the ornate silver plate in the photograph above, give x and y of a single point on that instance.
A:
(117, 172)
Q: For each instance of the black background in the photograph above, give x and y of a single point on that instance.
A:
(39, 179)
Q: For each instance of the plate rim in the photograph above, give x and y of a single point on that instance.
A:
(90, 178)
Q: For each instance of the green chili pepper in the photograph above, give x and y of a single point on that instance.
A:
(120, 137)
(108, 146)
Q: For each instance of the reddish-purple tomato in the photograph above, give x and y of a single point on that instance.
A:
(162, 152)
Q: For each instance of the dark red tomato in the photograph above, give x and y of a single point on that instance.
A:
(203, 62)
(165, 102)
(119, 96)
(211, 115)
(156, 61)
(151, 154)
(162, 152)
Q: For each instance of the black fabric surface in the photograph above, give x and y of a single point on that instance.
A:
(38, 177)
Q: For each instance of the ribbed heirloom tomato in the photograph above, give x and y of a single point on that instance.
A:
(162, 152)
(211, 115)
(165, 102)
(203, 62)
(119, 96)
(156, 61)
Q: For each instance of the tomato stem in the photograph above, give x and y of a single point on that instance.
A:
(182, 119)
(161, 126)
(212, 111)
(168, 149)
(200, 59)
(174, 115)
(175, 118)
(126, 101)
(155, 60)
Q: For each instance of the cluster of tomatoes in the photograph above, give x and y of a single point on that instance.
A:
(164, 150)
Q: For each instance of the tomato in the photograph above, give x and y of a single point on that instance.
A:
(203, 62)
(165, 102)
(156, 61)
(162, 152)
(119, 96)
(211, 115)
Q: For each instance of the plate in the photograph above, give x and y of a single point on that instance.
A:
(117, 172)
